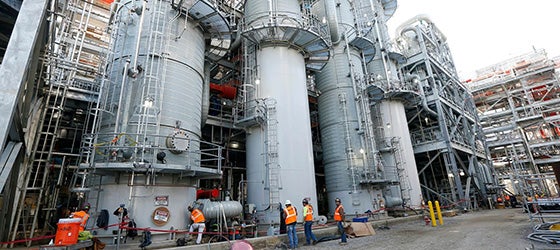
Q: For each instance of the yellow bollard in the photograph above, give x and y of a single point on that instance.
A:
(432, 216)
(438, 210)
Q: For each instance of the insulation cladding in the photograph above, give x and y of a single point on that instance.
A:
(341, 141)
(282, 75)
(168, 85)
(393, 117)
(152, 103)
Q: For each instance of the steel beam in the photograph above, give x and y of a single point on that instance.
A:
(15, 70)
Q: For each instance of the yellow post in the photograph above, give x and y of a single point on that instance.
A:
(432, 216)
(438, 210)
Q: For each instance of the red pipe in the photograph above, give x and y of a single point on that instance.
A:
(225, 91)
(207, 194)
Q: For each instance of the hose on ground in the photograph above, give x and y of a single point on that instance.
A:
(544, 233)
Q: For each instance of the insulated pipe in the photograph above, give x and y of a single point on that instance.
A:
(205, 95)
(139, 38)
(123, 82)
(413, 77)
(403, 27)
(332, 20)
(213, 209)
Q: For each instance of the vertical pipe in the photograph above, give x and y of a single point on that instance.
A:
(139, 38)
(117, 118)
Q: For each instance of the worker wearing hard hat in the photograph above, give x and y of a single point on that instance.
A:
(290, 217)
(339, 218)
(308, 222)
(198, 221)
(82, 215)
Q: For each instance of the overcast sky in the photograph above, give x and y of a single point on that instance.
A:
(484, 32)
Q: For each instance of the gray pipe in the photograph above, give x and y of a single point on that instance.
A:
(215, 209)
(205, 95)
(332, 20)
(412, 77)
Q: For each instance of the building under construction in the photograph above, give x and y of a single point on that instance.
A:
(232, 106)
(518, 100)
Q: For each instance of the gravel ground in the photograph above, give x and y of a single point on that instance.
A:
(487, 229)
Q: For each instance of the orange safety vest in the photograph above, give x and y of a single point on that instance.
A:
(337, 216)
(309, 215)
(83, 216)
(291, 215)
(197, 216)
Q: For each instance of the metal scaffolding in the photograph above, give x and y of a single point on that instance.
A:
(66, 89)
(518, 101)
(448, 144)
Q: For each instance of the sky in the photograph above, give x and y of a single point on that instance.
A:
(481, 33)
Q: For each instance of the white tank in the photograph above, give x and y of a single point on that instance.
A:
(172, 87)
(161, 98)
(283, 35)
(396, 126)
(283, 79)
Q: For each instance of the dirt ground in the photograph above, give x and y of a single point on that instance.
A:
(487, 229)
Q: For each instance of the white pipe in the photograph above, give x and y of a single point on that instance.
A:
(140, 24)
(349, 149)
(123, 82)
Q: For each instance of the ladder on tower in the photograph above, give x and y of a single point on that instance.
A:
(154, 70)
(272, 164)
(249, 111)
(404, 182)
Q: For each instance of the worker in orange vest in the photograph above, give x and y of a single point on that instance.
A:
(339, 218)
(507, 199)
(198, 221)
(82, 215)
(308, 220)
(290, 217)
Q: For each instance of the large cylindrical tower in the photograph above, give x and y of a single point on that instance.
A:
(388, 96)
(147, 148)
(352, 171)
(281, 42)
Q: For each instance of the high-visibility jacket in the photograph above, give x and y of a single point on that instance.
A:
(308, 213)
(291, 215)
(337, 215)
(197, 216)
(84, 216)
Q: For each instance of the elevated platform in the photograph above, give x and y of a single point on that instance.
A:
(212, 21)
(157, 168)
(305, 34)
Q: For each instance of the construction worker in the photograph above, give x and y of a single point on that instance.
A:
(308, 222)
(83, 215)
(198, 221)
(290, 217)
(339, 218)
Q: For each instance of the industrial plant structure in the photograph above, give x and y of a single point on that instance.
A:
(233, 106)
(519, 103)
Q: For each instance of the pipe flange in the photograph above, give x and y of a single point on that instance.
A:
(178, 142)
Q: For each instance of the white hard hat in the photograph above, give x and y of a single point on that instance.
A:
(288, 202)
